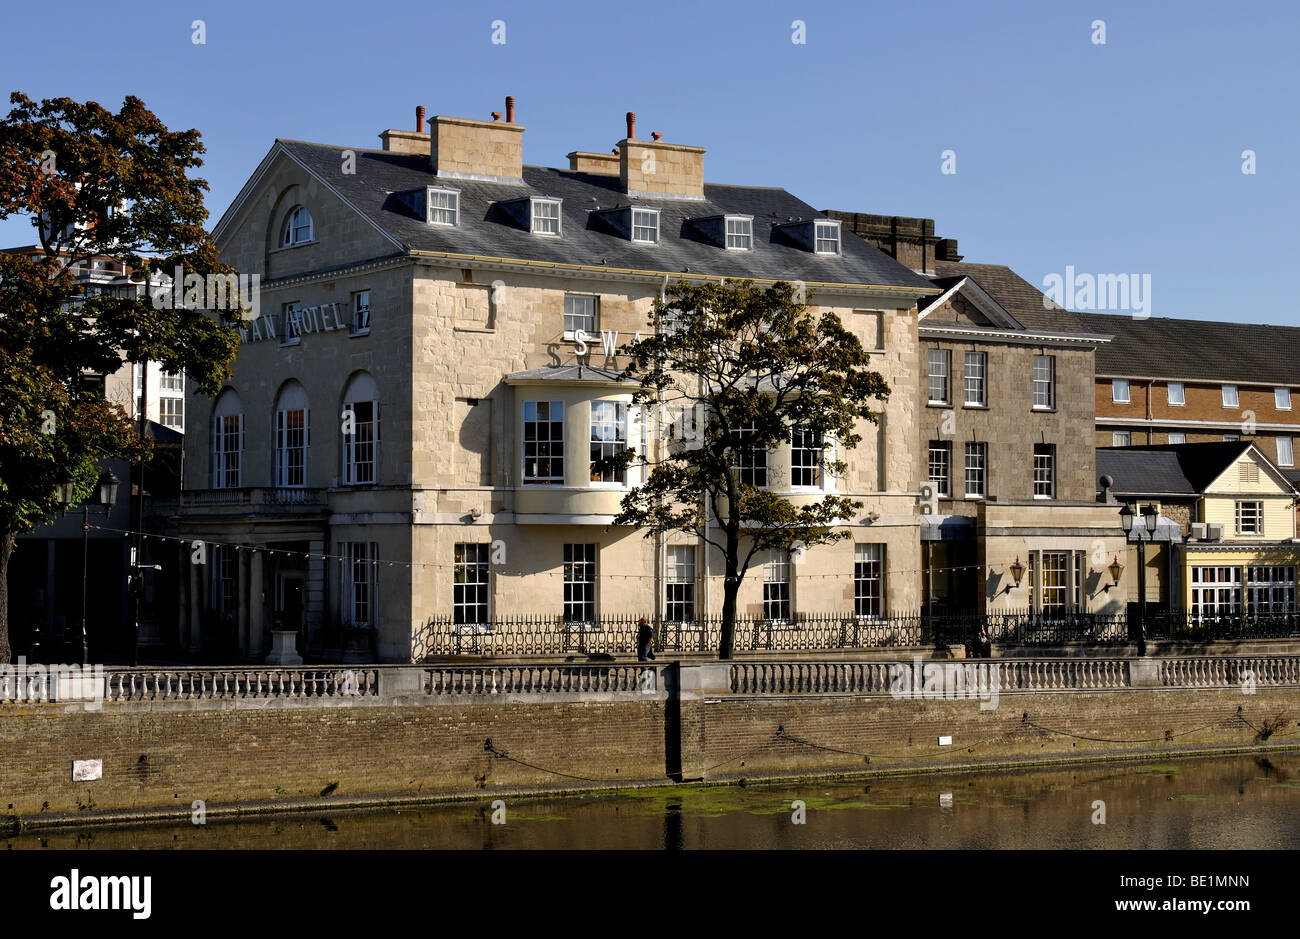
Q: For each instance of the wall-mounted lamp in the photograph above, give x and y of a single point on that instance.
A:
(1116, 569)
(1017, 571)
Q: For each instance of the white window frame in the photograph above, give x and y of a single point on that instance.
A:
(1119, 391)
(869, 581)
(939, 365)
(170, 406)
(555, 448)
(581, 595)
(751, 460)
(807, 459)
(1289, 458)
(1044, 471)
(359, 582)
(360, 310)
(1044, 387)
(568, 314)
(546, 205)
(1182, 435)
(680, 566)
(646, 216)
(742, 239)
(354, 445)
(295, 232)
(228, 451)
(979, 450)
(1182, 394)
(1243, 516)
(975, 380)
(437, 214)
(826, 231)
(603, 445)
(778, 597)
(1121, 438)
(940, 451)
(1216, 591)
(471, 584)
(286, 447)
(1282, 399)
(1231, 399)
(290, 323)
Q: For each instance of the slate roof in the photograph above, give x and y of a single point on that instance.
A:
(1029, 305)
(1143, 473)
(1198, 350)
(1177, 469)
(587, 239)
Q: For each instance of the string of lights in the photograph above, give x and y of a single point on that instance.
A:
(443, 565)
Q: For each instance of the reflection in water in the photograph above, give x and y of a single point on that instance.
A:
(1223, 803)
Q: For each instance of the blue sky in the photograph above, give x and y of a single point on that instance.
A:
(1117, 158)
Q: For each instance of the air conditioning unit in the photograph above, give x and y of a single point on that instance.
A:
(1214, 532)
(1198, 531)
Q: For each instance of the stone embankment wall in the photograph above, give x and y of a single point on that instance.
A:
(265, 738)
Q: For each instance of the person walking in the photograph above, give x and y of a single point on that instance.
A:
(645, 638)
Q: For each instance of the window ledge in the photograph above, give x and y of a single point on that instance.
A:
(1043, 410)
(301, 244)
(463, 327)
(357, 333)
(938, 404)
(975, 407)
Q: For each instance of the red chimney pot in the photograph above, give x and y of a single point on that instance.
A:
(496, 115)
(631, 125)
(510, 109)
(655, 134)
(419, 118)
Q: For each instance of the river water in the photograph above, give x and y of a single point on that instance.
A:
(1217, 803)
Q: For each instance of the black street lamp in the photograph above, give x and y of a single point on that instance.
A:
(1149, 521)
(103, 495)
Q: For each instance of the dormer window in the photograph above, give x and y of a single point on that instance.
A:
(826, 237)
(298, 228)
(442, 206)
(645, 226)
(546, 216)
(740, 233)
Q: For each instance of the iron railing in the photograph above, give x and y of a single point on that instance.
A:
(814, 632)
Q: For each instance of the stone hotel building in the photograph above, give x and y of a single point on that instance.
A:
(411, 425)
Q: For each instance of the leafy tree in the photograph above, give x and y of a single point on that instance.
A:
(95, 185)
(742, 366)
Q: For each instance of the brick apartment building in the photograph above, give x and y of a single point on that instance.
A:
(1174, 381)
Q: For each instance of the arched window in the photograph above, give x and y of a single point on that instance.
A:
(227, 441)
(360, 425)
(298, 228)
(291, 436)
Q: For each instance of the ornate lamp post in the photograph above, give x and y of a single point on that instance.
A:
(105, 495)
(1149, 521)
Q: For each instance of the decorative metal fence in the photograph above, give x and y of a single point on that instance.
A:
(816, 632)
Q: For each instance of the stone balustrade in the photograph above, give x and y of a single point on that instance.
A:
(413, 685)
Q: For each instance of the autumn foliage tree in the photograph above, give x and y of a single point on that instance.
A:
(96, 184)
(738, 367)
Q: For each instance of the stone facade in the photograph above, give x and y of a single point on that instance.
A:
(443, 336)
